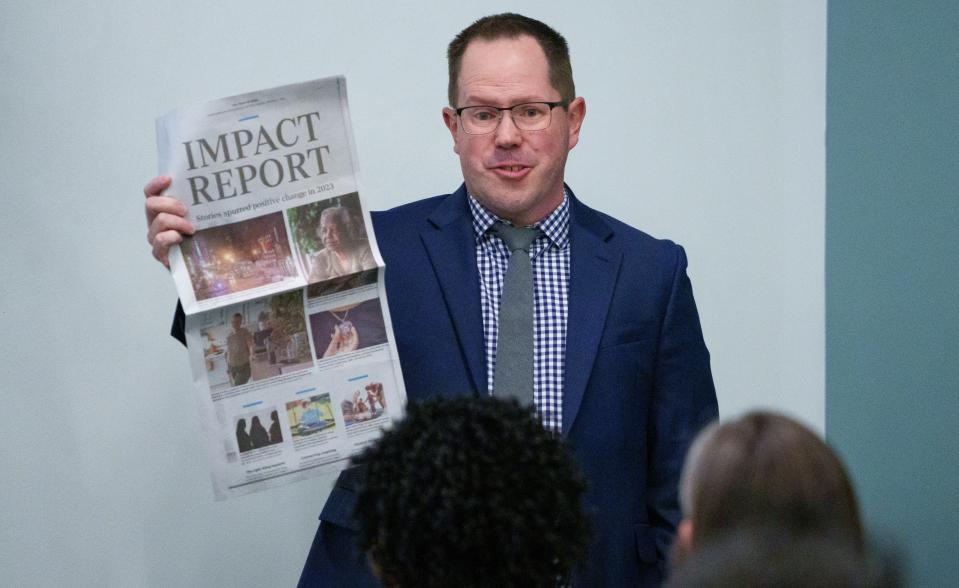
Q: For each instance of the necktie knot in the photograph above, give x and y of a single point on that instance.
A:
(516, 237)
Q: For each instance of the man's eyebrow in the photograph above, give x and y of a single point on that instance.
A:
(499, 102)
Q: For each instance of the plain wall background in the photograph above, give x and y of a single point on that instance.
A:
(705, 124)
(892, 261)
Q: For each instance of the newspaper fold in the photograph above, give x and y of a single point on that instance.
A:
(289, 335)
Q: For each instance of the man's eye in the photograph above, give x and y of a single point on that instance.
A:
(531, 112)
(484, 115)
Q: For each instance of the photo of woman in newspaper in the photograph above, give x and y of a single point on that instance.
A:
(240, 256)
(331, 238)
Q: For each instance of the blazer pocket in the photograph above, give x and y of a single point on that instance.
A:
(625, 334)
(645, 543)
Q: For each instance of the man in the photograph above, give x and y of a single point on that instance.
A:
(239, 350)
(621, 371)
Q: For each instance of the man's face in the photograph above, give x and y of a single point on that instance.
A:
(516, 174)
(331, 232)
(237, 323)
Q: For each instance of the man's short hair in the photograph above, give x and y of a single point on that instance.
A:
(471, 491)
(510, 26)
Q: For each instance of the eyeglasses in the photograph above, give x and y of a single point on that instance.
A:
(529, 116)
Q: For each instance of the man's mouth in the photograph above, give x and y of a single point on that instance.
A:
(512, 170)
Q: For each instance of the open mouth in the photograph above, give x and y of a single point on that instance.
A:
(511, 171)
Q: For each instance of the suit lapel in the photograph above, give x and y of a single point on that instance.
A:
(451, 246)
(594, 264)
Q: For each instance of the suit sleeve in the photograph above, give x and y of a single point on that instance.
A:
(684, 401)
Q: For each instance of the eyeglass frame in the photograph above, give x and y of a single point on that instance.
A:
(499, 119)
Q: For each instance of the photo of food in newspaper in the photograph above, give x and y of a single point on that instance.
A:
(330, 238)
(310, 415)
(233, 258)
(348, 328)
(256, 340)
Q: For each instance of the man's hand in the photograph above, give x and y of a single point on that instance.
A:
(166, 222)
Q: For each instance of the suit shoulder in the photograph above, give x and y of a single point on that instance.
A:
(416, 210)
(397, 227)
(631, 238)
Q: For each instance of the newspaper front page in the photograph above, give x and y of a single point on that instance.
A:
(289, 335)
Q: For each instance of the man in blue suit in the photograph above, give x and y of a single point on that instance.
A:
(621, 370)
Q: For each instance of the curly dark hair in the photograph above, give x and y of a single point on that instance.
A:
(471, 492)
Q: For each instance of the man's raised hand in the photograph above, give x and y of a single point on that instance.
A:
(166, 222)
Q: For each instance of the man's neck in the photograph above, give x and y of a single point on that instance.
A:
(522, 219)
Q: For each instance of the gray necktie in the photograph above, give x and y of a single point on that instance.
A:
(514, 344)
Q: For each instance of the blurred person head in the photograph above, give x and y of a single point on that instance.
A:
(764, 469)
(470, 492)
(778, 558)
(237, 321)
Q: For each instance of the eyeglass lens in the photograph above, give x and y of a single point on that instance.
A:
(479, 120)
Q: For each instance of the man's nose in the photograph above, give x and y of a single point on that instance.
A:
(507, 133)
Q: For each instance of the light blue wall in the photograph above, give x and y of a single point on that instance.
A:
(705, 124)
(892, 270)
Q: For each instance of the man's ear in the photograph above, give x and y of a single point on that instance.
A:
(575, 113)
(452, 123)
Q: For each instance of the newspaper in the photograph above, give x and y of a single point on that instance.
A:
(289, 335)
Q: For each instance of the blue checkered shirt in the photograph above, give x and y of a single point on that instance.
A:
(549, 255)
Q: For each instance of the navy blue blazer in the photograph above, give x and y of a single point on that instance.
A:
(637, 387)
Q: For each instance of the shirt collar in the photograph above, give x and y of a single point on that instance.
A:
(555, 226)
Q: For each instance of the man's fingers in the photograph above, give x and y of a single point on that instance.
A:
(166, 221)
(162, 243)
(155, 186)
(156, 204)
(161, 256)
(167, 239)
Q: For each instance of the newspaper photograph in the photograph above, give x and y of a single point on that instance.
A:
(288, 332)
